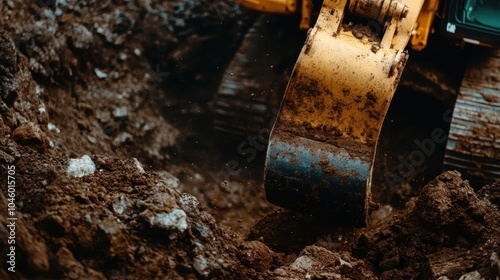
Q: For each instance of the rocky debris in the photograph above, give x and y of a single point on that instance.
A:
(80, 37)
(6, 158)
(491, 193)
(72, 268)
(156, 134)
(446, 223)
(20, 103)
(30, 134)
(79, 167)
(258, 256)
(319, 263)
(448, 204)
(118, 53)
(114, 26)
(46, 48)
(131, 217)
(102, 213)
(8, 68)
(230, 201)
(450, 264)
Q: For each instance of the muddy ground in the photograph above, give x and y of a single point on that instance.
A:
(115, 172)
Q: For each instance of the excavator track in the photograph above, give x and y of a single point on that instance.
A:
(252, 86)
(473, 146)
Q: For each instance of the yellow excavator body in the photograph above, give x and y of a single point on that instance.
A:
(420, 33)
(424, 25)
(282, 7)
(271, 6)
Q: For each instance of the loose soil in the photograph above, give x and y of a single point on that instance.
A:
(105, 115)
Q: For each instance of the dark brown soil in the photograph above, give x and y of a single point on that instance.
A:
(115, 172)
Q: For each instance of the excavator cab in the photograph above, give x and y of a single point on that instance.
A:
(474, 21)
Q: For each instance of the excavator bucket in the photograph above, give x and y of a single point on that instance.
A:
(322, 146)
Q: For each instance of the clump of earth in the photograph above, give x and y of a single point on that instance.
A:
(118, 175)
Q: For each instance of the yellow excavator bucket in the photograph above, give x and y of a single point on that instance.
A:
(323, 144)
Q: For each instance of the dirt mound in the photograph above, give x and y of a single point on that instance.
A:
(114, 219)
(448, 230)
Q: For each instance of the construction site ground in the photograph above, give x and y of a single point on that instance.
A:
(110, 168)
